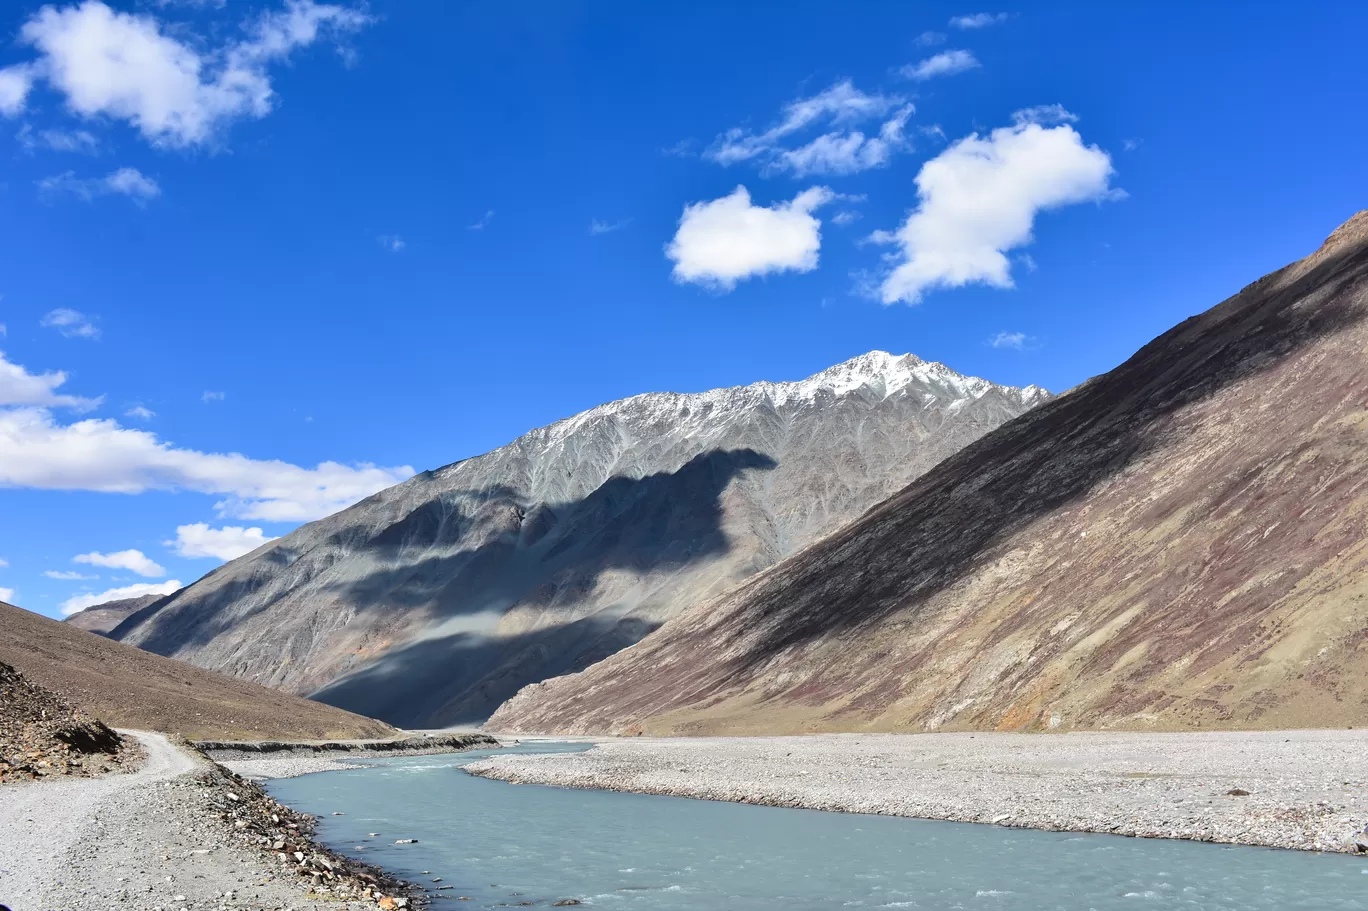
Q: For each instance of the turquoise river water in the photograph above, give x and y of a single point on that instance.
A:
(501, 844)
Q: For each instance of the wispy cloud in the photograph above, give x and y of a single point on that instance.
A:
(70, 323)
(930, 39)
(1046, 115)
(57, 140)
(140, 412)
(598, 226)
(946, 63)
(842, 150)
(391, 242)
(1017, 341)
(483, 222)
(211, 396)
(69, 575)
(979, 20)
(128, 182)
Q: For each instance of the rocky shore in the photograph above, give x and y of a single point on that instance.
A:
(1306, 790)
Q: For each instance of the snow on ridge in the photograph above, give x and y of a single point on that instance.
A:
(887, 374)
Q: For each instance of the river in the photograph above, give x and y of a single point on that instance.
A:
(500, 845)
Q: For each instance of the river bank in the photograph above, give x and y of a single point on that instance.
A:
(1305, 790)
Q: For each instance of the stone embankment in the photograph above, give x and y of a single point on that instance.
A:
(278, 759)
(1306, 790)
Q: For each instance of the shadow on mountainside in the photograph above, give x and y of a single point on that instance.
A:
(462, 678)
(462, 560)
(929, 536)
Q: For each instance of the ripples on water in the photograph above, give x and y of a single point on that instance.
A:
(503, 844)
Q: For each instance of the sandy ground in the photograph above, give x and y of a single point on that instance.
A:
(134, 840)
(1306, 789)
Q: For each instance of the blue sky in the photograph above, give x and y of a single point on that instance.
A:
(261, 259)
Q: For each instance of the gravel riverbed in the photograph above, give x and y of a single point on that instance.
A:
(1306, 790)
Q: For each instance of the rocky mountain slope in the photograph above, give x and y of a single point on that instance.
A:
(1179, 543)
(435, 600)
(129, 688)
(101, 618)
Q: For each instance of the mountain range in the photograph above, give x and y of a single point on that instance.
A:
(432, 602)
(1179, 543)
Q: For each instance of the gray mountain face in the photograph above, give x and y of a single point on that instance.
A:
(432, 602)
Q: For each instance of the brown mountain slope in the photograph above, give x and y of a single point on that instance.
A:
(101, 618)
(129, 688)
(1178, 543)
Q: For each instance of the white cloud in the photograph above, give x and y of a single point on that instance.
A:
(3, 562)
(840, 151)
(484, 221)
(210, 396)
(845, 217)
(7, 595)
(79, 603)
(15, 84)
(1130, 145)
(946, 63)
(71, 323)
(140, 412)
(128, 182)
(123, 65)
(979, 198)
(19, 387)
(68, 575)
(979, 20)
(723, 241)
(57, 140)
(1014, 340)
(36, 451)
(1047, 115)
(227, 543)
(134, 561)
(598, 226)
(930, 39)
(391, 242)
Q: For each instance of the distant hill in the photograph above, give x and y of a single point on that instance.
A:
(432, 602)
(129, 688)
(1179, 543)
(101, 618)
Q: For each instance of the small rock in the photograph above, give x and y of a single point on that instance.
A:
(1237, 792)
(566, 902)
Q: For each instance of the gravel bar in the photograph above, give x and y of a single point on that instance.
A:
(1306, 790)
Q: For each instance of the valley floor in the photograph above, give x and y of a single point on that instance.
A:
(1288, 789)
(135, 840)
